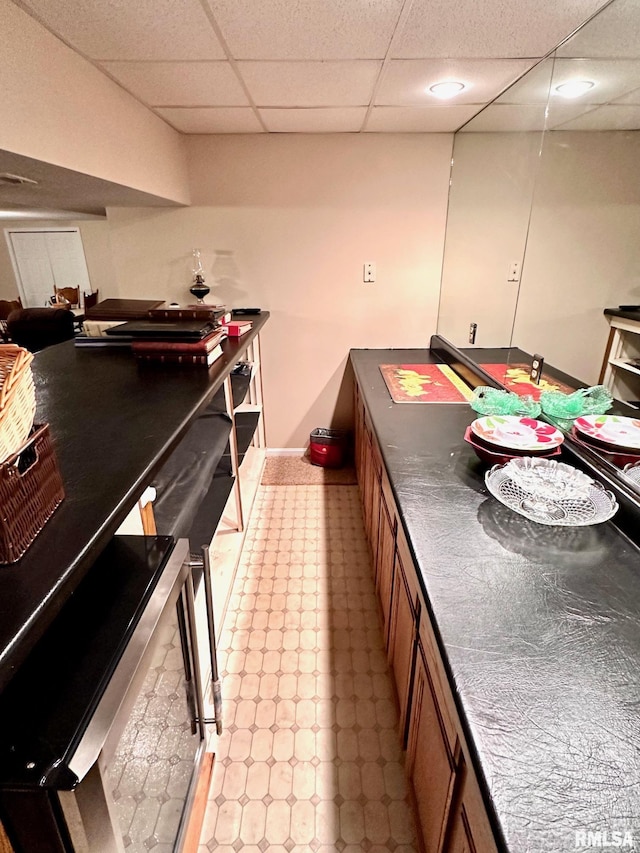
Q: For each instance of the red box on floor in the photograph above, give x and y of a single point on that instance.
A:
(327, 447)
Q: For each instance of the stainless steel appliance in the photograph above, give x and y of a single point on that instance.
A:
(102, 732)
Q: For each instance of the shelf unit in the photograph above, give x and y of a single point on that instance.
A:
(620, 371)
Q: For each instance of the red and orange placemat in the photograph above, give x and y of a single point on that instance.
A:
(424, 383)
(515, 377)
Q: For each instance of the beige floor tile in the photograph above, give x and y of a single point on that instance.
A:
(310, 759)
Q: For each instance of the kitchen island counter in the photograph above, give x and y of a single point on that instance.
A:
(113, 422)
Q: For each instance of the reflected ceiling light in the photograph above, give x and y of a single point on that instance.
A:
(574, 88)
(447, 89)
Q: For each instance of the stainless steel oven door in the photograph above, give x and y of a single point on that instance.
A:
(139, 759)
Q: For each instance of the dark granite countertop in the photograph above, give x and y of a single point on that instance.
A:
(113, 422)
(625, 315)
(539, 628)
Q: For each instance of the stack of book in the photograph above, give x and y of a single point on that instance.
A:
(216, 313)
(172, 342)
(203, 351)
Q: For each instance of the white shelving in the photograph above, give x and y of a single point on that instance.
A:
(620, 375)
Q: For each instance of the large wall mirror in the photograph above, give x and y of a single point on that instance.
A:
(543, 231)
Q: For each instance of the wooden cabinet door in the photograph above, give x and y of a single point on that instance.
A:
(368, 481)
(358, 429)
(460, 838)
(431, 765)
(384, 564)
(376, 495)
(469, 827)
(402, 640)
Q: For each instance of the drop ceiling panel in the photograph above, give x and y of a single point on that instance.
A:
(212, 119)
(629, 98)
(608, 117)
(612, 77)
(489, 28)
(532, 89)
(337, 120)
(310, 84)
(307, 29)
(173, 84)
(561, 111)
(508, 118)
(617, 33)
(443, 119)
(121, 29)
(407, 81)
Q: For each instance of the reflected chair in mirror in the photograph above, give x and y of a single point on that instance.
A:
(90, 299)
(6, 307)
(38, 328)
(69, 297)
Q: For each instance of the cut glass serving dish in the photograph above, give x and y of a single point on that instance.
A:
(550, 492)
(632, 472)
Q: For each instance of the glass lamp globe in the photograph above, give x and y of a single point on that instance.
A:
(198, 289)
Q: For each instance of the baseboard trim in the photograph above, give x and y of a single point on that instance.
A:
(286, 451)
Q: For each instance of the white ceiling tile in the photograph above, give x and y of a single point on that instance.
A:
(307, 29)
(562, 111)
(175, 84)
(120, 29)
(489, 28)
(508, 118)
(407, 81)
(338, 120)
(310, 84)
(612, 77)
(629, 98)
(443, 119)
(614, 32)
(608, 117)
(212, 119)
(533, 88)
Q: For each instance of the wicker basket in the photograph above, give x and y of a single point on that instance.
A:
(30, 490)
(17, 398)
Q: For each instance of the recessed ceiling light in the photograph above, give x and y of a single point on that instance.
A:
(574, 88)
(447, 89)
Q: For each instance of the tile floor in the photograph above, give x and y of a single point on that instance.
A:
(310, 757)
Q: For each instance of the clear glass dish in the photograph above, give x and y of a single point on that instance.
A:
(550, 492)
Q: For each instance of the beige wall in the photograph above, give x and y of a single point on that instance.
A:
(57, 107)
(583, 250)
(285, 222)
(97, 251)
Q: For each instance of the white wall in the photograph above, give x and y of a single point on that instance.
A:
(285, 222)
(56, 107)
(583, 251)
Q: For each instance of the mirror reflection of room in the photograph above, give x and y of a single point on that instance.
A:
(553, 168)
(541, 253)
